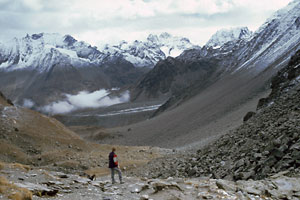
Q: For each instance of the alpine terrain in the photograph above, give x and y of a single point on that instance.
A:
(221, 121)
(49, 61)
(204, 87)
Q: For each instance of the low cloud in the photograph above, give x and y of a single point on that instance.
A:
(84, 99)
(28, 103)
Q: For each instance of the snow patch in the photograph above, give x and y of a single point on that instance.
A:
(175, 52)
(126, 111)
(217, 47)
(165, 50)
(68, 52)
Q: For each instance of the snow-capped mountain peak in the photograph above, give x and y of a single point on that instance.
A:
(44, 50)
(226, 35)
(286, 16)
(278, 36)
(147, 53)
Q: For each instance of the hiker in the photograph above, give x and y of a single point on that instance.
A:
(114, 166)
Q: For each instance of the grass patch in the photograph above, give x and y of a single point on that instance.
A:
(20, 166)
(25, 168)
(13, 192)
(2, 165)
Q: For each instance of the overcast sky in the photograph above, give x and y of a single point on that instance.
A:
(109, 21)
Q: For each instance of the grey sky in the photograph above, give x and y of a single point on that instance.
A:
(101, 21)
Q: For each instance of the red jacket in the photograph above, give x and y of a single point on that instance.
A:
(113, 161)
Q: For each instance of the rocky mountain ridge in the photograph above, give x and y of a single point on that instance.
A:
(42, 51)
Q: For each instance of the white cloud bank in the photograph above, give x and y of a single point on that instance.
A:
(84, 99)
(28, 103)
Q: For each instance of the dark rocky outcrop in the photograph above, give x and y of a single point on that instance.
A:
(248, 116)
(5, 99)
(184, 76)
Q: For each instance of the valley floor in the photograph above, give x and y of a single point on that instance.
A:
(149, 131)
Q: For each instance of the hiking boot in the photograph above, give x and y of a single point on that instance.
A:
(122, 182)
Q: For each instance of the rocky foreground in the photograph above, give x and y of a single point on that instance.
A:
(21, 182)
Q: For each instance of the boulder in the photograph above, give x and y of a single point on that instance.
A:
(285, 187)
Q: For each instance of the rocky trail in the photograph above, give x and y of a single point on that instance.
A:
(21, 182)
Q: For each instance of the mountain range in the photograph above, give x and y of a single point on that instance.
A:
(148, 53)
(244, 54)
(217, 121)
(206, 88)
(233, 67)
(49, 61)
(45, 60)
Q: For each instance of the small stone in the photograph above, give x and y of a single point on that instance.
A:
(257, 155)
(137, 188)
(144, 197)
(226, 185)
(278, 153)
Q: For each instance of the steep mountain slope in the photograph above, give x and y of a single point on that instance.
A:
(238, 78)
(267, 143)
(45, 67)
(148, 53)
(273, 43)
(268, 49)
(173, 75)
